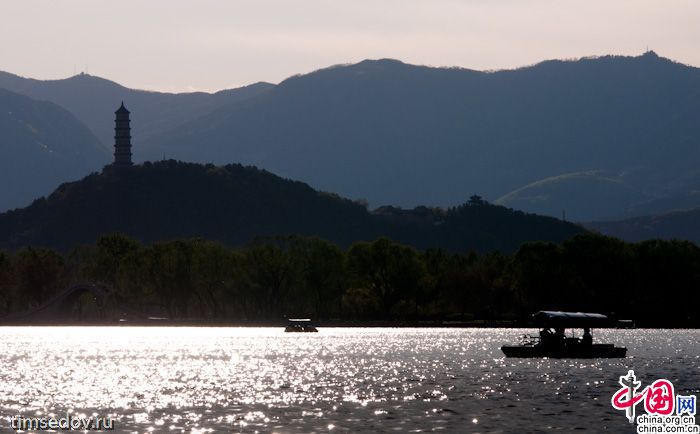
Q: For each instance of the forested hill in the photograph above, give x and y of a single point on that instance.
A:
(235, 204)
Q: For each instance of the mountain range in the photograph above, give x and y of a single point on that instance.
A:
(41, 145)
(93, 100)
(598, 138)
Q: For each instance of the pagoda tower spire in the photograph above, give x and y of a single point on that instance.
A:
(122, 138)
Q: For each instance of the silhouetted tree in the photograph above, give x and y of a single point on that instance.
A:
(388, 269)
(6, 296)
(38, 274)
(323, 278)
(272, 273)
(171, 273)
(537, 277)
(600, 268)
(666, 285)
(214, 273)
(109, 251)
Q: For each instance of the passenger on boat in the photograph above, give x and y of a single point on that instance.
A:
(559, 337)
(546, 336)
(587, 339)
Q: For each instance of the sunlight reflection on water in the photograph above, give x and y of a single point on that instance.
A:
(245, 380)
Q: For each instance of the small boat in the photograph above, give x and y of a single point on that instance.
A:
(557, 345)
(302, 325)
(626, 324)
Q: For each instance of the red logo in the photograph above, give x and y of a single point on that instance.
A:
(659, 397)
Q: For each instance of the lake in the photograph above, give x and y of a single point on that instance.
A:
(246, 380)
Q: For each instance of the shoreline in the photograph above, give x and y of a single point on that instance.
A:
(322, 324)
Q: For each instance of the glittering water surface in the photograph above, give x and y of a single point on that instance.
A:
(247, 380)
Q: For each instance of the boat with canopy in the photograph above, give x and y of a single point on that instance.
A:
(303, 325)
(553, 342)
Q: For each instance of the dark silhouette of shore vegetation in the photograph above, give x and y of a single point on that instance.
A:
(370, 282)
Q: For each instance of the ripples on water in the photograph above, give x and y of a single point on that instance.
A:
(246, 380)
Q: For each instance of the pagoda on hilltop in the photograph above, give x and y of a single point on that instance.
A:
(122, 138)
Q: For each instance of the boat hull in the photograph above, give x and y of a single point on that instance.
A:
(592, 352)
(304, 329)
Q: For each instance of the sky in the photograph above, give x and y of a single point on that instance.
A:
(178, 46)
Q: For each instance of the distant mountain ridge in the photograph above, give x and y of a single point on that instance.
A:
(596, 138)
(573, 194)
(234, 204)
(403, 134)
(680, 224)
(41, 145)
(93, 100)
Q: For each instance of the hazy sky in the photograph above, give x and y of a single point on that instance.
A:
(178, 45)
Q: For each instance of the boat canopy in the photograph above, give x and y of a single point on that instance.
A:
(548, 318)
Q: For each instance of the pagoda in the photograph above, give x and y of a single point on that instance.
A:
(122, 138)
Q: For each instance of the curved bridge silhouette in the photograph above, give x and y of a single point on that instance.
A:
(61, 306)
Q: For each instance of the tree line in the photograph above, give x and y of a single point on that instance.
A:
(654, 282)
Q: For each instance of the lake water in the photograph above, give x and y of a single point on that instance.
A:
(246, 380)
